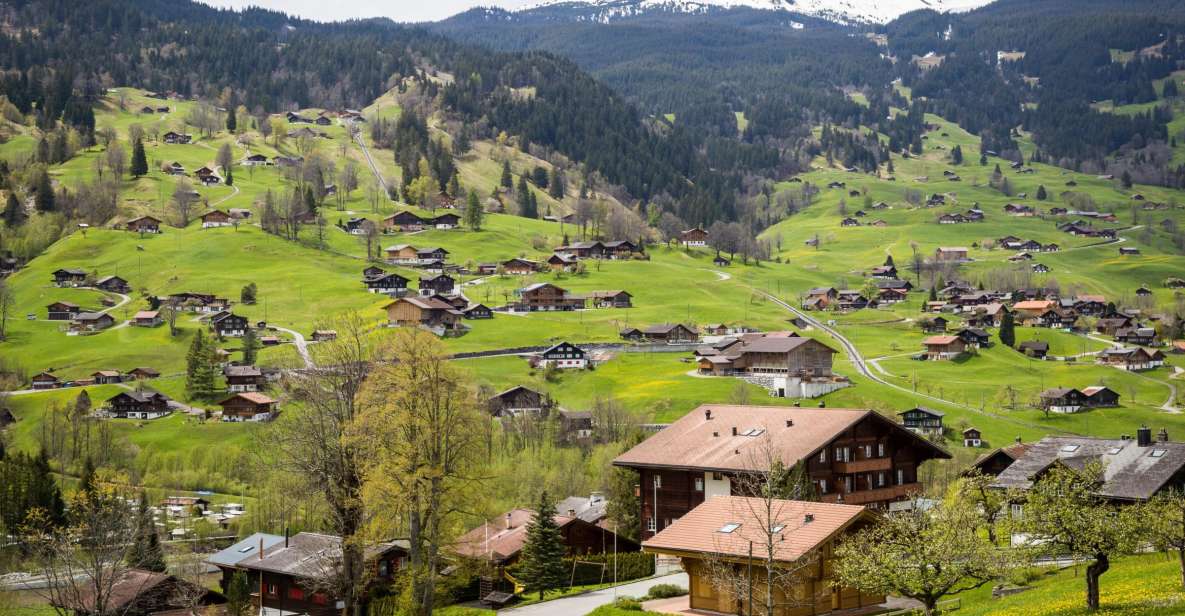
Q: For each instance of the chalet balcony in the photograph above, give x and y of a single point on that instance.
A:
(863, 497)
(864, 466)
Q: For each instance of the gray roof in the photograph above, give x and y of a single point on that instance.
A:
(591, 509)
(247, 548)
(242, 371)
(1130, 472)
(309, 555)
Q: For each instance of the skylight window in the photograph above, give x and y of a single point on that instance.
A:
(246, 549)
(777, 528)
(1069, 448)
(1114, 450)
(730, 527)
(754, 432)
(1158, 453)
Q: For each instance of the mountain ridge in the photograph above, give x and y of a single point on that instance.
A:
(846, 12)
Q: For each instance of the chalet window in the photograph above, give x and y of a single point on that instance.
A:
(880, 479)
(650, 526)
(822, 486)
(320, 599)
(823, 456)
(847, 484)
(880, 450)
(658, 481)
(717, 477)
(868, 451)
(384, 568)
(272, 591)
(699, 484)
(900, 477)
(295, 593)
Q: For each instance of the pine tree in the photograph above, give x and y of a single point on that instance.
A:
(533, 210)
(983, 159)
(250, 346)
(541, 561)
(1126, 179)
(193, 365)
(146, 551)
(230, 177)
(139, 159)
(473, 212)
(956, 155)
(87, 482)
(14, 211)
(1041, 194)
(44, 492)
(933, 294)
(231, 121)
(310, 200)
(1007, 330)
(238, 595)
(507, 178)
(555, 185)
(44, 200)
(1170, 88)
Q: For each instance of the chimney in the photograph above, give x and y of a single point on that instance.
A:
(261, 548)
(285, 536)
(1162, 436)
(715, 434)
(507, 520)
(708, 414)
(808, 518)
(789, 423)
(1144, 436)
(571, 513)
(734, 430)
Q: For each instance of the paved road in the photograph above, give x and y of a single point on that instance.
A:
(583, 604)
(370, 161)
(302, 345)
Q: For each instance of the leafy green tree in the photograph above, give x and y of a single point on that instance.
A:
(14, 211)
(1064, 516)
(474, 214)
(247, 293)
(44, 199)
(1007, 331)
(1165, 519)
(250, 346)
(539, 177)
(146, 551)
(139, 165)
(542, 556)
(924, 554)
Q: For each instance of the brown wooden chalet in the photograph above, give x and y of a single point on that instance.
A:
(856, 457)
(138, 592)
(44, 380)
(428, 312)
(519, 400)
(91, 322)
(500, 541)
(229, 324)
(138, 405)
(441, 284)
(694, 237)
(403, 221)
(584, 250)
(776, 353)
(607, 299)
(944, 347)
(1062, 400)
(477, 311)
(107, 377)
(146, 318)
(113, 284)
(69, 277)
(562, 261)
(248, 406)
(283, 570)
(667, 332)
(519, 267)
(243, 378)
(216, 218)
(385, 282)
(402, 254)
(62, 311)
(1134, 359)
(994, 462)
(143, 224)
(544, 296)
(1037, 349)
(922, 420)
(621, 249)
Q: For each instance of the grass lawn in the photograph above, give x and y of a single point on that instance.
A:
(1135, 586)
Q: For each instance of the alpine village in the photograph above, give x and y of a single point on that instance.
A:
(592, 307)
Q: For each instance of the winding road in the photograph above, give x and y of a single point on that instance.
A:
(302, 345)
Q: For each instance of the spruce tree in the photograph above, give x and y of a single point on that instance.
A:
(88, 482)
(44, 492)
(1041, 194)
(541, 561)
(139, 159)
(1007, 330)
(231, 121)
(956, 155)
(44, 200)
(555, 185)
(250, 346)
(14, 211)
(146, 551)
(1126, 179)
(473, 212)
(193, 365)
(238, 595)
(507, 179)
(230, 177)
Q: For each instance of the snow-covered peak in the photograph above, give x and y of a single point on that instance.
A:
(842, 11)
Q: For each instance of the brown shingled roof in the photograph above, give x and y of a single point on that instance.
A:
(696, 442)
(700, 531)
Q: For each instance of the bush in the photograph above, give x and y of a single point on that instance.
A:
(628, 603)
(665, 591)
(630, 566)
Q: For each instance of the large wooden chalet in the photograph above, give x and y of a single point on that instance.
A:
(138, 405)
(855, 457)
(544, 296)
(429, 312)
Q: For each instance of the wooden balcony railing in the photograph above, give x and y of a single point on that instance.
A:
(863, 497)
(864, 466)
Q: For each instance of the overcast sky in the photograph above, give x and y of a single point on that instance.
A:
(399, 10)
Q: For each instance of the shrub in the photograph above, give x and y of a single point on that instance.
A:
(628, 603)
(630, 566)
(665, 591)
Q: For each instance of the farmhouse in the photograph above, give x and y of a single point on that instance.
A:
(501, 540)
(254, 160)
(386, 282)
(944, 347)
(174, 138)
(243, 378)
(951, 254)
(403, 221)
(106, 377)
(138, 405)
(69, 277)
(1062, 400)
(922, 420)
(694, 237)
(852, 456)
(786, 364)
(544, 296)
(564, 355)
(62, 311)
(216, 218)
(994, 462)
(667, 332)
(229, 325)
(429, 313)
(197, 302)
(561, 261)
(1136, 469)
(138, 592)
(584, 250)
(518, 400)
(248, 406)
(402, 254)
(91, 322)
(113, 284)
(477, 311)
(719, 533)
(442, 284)
(1034, 348)
(1100, 396)
(975, 337)
(44, 380)
(143, 224)
(972, 437)
(446, 221)
(1134, 359)
(519, 267)
(607, 299)
(1144, 336)
(820, 298)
